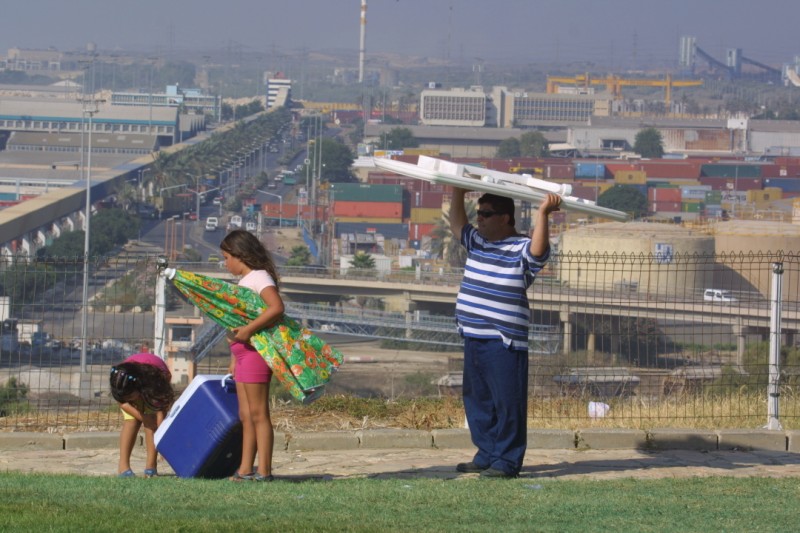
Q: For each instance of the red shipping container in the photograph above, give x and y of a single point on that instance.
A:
(771, 171)
(664, 169)
(427, 199)
(559, 172)
(368, 209)
(731, 184)
(418, 231)
(658, 194)
(665, 207)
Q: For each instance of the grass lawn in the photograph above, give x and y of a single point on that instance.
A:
(74, 503)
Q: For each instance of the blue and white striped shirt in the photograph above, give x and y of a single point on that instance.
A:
(493, 301)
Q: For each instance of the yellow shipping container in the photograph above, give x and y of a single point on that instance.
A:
(603, 187)
(421, 151)
(630, 177)
(765, 196)
(370, 220)
(426, 215)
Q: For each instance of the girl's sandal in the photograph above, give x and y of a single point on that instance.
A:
(259, 477)
(243, 477)
(150, 472)
(127, 473)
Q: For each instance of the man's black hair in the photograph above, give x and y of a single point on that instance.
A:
(501, 204)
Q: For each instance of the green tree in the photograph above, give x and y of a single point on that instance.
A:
(508, 148)
(624, 198)
(24, 282)
(533, 144)
(363, 261)
(299, 256)
(649, 143)
(337, 159)
(397, 139)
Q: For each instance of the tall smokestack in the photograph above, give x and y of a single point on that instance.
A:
(362, 49)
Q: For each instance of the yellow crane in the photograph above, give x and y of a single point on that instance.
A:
(614, 84)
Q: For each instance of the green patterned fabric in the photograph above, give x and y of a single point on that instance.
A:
(300, 360)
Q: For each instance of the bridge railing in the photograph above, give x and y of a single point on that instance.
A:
(640, 333)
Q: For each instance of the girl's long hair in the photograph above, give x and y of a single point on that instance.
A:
(246, 247)
(151, 383)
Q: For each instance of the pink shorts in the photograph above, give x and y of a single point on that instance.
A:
(250, 366)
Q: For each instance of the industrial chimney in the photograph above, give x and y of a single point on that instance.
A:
(363, 44)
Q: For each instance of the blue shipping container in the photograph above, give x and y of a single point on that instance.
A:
(785, 184)
(590, 170)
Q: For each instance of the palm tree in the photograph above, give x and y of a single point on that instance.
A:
(448, 246)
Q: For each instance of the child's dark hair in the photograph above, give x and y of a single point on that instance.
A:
(246, 247)
(151, 383)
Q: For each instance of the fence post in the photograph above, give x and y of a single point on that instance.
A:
(159, 340)
(773, 390)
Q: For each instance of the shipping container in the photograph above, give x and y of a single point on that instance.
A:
(389, 231)
(660, 169)
(630, 177)
(660, 194)
(665, 207)
(365, 192)
(765, 196)
(418, 231)
(423, 215)
(784, 184)
(370, 220)
(427, 199)
(590, 170)
(695, 192)
(713, 198)
(733, 184)
(368, 209)
(559, 172)
(692, 207)
(729, 170)
(587, 192)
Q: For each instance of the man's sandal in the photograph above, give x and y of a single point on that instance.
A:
(243, 477)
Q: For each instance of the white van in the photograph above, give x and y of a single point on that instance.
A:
(212, 223)
(236, 222)
(718, 295)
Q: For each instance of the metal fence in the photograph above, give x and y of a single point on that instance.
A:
(705, 340)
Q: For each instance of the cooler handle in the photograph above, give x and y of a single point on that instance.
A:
(226, 382)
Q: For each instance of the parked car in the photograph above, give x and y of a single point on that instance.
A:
(718, 295)
(250, 226)
(212, 223)
(236, 221)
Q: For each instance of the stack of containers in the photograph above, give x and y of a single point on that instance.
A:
(368, 208)
(664, 199)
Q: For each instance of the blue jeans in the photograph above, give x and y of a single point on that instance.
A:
(496, 403)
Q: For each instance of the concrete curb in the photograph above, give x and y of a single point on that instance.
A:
(580, 439)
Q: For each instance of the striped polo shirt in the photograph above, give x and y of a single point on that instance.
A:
(493, 301)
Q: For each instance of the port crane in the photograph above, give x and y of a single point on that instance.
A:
(614, 84)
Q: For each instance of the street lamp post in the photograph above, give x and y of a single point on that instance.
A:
(90, 107)
(280, 205)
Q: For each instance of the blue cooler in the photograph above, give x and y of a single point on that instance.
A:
(202, 434)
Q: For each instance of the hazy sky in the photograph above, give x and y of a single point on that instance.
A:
(629, 32)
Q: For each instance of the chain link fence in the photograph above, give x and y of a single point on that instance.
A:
(683, 341)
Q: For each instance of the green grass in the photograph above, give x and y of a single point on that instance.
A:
(75, 503)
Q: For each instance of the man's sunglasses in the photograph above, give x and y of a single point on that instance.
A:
(488, 214)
